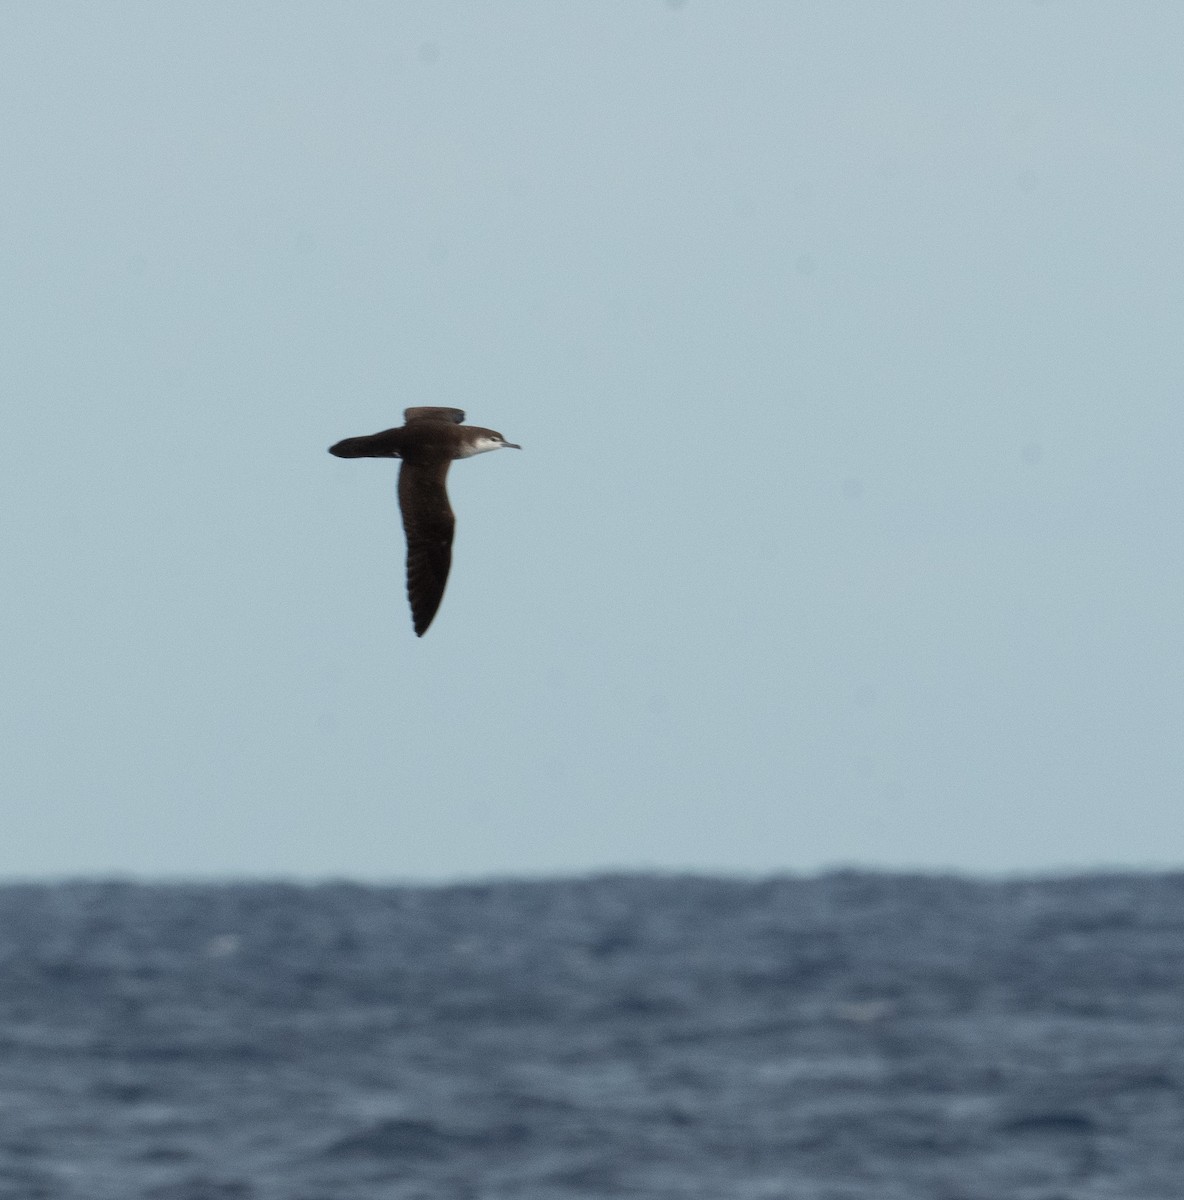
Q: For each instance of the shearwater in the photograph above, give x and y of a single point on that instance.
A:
(427, 442)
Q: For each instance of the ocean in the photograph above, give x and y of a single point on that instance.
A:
(850, 1036)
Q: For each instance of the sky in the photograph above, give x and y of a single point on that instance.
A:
(843, 344)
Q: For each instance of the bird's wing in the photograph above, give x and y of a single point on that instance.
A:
(428, 523)
(455, 415)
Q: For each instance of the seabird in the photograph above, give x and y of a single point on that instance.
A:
(427, 442)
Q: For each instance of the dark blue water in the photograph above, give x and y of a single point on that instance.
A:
(843, 1037)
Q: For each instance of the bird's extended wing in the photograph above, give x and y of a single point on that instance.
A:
(454, 415)
(428, 523)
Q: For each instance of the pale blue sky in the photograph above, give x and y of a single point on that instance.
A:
(843, 341)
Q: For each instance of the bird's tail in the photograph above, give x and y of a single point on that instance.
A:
(358, 447)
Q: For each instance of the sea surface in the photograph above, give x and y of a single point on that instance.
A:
(843, 1037)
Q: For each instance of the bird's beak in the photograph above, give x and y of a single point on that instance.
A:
(512, 445)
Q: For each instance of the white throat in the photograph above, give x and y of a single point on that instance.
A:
(479, 446)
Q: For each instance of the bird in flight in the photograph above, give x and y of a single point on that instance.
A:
(427, 442)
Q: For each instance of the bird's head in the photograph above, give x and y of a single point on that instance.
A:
(486, 439)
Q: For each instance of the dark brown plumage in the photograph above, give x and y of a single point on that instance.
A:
(427, 442)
